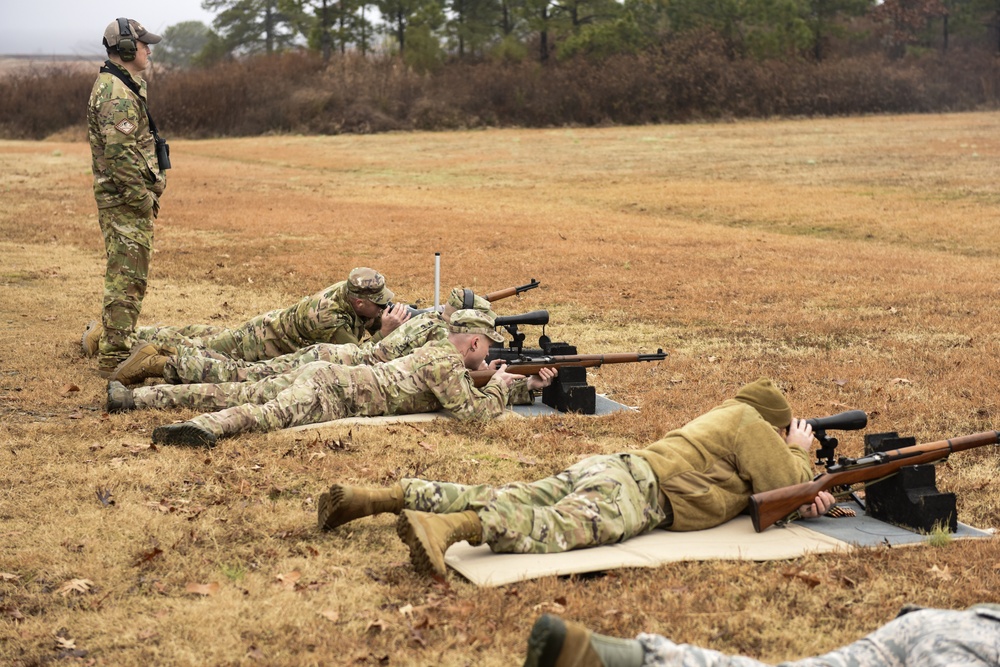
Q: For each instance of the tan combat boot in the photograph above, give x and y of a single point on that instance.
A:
(429, 535)
(91, 338)
(346, 503)
(146, 361)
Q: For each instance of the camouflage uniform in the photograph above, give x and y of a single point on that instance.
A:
(696, 477)
(430, 379)
(192, 365)
(923, 638)
(324, 317)
(600, 500)
(127, 185)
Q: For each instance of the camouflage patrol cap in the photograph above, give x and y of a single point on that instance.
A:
(112, 34)
(471, 321)
(366, 283)
(457, 301)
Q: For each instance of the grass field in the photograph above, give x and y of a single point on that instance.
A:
(853, 260)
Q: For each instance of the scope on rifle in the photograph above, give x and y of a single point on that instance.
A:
(534, 317)
(851, 420)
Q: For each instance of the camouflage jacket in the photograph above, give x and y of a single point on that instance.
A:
(709, 467)
(125, 167)
(324, 317)
(410, 335)
(432, 378)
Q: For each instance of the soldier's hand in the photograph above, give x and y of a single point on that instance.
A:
(392, 317)
(800, 434)
(543, 379)
(824, 501)
(504, 377)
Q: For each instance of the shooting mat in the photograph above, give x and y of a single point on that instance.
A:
(604, 406)
(734, 540)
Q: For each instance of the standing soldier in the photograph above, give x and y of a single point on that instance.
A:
(128, 181)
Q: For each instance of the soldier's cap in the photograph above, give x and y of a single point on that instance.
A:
(112, 34)
(457, 301)
(768, 400)
(366, 283)
(471, 321)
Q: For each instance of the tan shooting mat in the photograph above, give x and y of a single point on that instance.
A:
(734, 540)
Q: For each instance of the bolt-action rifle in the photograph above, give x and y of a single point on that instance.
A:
(532, 365)
(469, 296)
(781, 504)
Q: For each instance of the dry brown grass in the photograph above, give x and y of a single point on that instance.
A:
(854, 259)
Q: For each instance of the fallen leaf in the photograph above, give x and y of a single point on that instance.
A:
(406, 610)
(146, 634)
(289, 579)
(78, 585)
(942, 574)
(65, 643)
(900, 381)
(104, 495)
(840, 383)
(202, 589)
(68, 390)
(148, 556)
(428, 446)
(330, 615)
(7, 576)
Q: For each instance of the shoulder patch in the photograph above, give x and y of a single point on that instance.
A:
(125, 126)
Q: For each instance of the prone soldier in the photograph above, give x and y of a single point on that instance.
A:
(184, 365)
(342, 313)
(434, 377)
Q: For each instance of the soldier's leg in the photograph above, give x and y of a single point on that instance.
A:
(317, 396)
(216, 396)
(245, 342)
(128, 237)
(190, 365)
(601, 500)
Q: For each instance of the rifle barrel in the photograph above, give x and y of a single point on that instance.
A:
(531, 366)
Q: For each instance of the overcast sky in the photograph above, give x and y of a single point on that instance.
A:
(75, 27)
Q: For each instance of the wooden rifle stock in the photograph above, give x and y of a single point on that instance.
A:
(510, 291)
(532, 365)
(772, 506)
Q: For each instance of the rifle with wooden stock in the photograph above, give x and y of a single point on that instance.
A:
(511, 291)
(779, 504)
(526, 365)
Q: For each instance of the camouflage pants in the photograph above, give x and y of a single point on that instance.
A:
(600, 500)
(190, 365)
(128, 239)
(313, 393)
(252, 341)
(925, 638)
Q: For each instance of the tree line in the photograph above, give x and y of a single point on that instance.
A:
(431, 33)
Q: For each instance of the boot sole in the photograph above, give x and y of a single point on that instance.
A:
(183, 434)
(412, 532)
(329, 506)
(115, 406)
(130, 371)
(545, 642)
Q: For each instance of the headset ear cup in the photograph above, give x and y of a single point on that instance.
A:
(127, 50)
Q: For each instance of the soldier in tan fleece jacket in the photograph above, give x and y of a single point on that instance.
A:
(695, 477)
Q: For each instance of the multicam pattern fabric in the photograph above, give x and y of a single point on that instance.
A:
(324, 317)
(127, 186)
(600, 500)
(127, 241)
(925, 638)
(125, 167)
(430, 379)
(191, 365)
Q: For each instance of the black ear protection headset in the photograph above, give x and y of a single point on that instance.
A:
(468, 299)
(127, 47)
